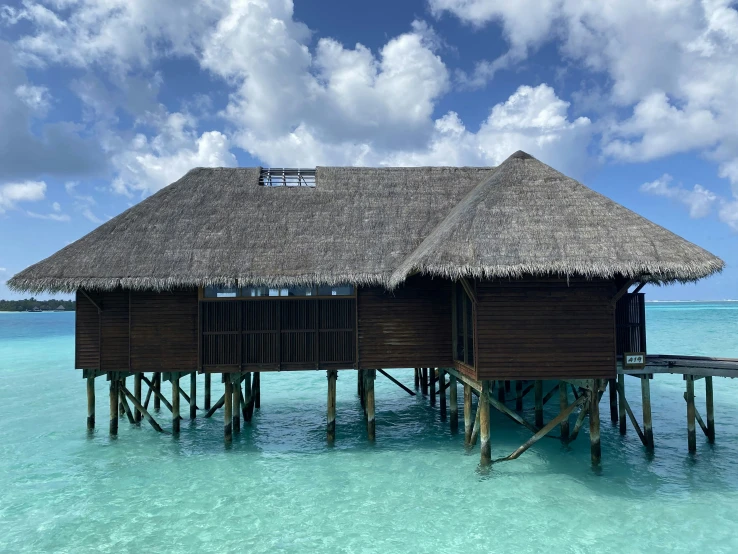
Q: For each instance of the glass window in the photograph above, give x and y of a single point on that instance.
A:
(220, 292)
(299, 291)
(250, 292)
(335, 290)
(254, 291)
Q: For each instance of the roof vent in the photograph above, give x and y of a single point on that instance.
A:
(287, 177)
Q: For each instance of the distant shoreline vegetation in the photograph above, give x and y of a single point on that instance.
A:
(33, 305)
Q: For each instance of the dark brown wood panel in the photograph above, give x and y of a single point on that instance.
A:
(114, 330)
(533, 329)
(280, 333)
(164, 330)
(407, 327)
(87, 334)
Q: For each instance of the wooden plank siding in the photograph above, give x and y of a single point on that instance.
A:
(278, 333)
(545, 329)
(137, 331)
(164, 330)
(407, 327)
(114, 327)
(87, 333)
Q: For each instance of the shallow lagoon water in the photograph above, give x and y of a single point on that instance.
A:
(280, 488)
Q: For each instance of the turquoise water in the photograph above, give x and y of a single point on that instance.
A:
(279, 488)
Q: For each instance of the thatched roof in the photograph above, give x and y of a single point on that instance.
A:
(368, 226)
(527, 218)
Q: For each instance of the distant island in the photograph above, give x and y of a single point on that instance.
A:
(33, 305)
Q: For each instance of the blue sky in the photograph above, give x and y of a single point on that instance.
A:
(104, 102)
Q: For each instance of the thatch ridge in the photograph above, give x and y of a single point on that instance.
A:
(368, 226)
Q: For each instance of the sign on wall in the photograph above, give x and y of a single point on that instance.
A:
(634, 360)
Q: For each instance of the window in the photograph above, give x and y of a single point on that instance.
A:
(463, 325)
(220, 292)
(336, 290)
(287, 177)
(254, 292)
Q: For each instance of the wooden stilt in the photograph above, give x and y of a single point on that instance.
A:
(516, 417)
(508, 387)
(236, 390)
(486, 449)
(710, 410)
(256, 390)
(121, 409)
(137, 415)
(538, 392)
(185, 395)
(633, 420)
(442, 392)
(475, 428)
(595, 448)
(468, 421)
(332, 375)
(396, 382)
(563, 403)
(244, 404)
(417, 378)
(208, 380)
(549, 395)
(646, 400)
(545, 430)
(139, 407)
(150, 392)
(369, 389)
(621, 403)
(424, 381)
(248, 394)
(583, 413)
(175, 403)
(453, 404)
(501, 391)
(612, 387)
(359, 383)
(113, 406)
(432, 385)
(227, 412)
(123, 402)
(518, 395)
(691, 435)
(193, 395)
(157, 388)
(91, 402)
(217, 406)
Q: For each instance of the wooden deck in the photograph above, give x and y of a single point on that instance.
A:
(699, 366)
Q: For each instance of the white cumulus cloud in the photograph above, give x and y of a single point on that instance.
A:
(700, 201)
(37, 98)
(27, 191)
(671, 63)
(147, 165)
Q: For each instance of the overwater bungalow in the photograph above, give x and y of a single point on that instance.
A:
(473, 276)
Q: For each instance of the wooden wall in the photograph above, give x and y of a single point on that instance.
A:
(137, 331)
(408, 327)
(529, 329)
(114, 330)
(164, 331)
(87, 333)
